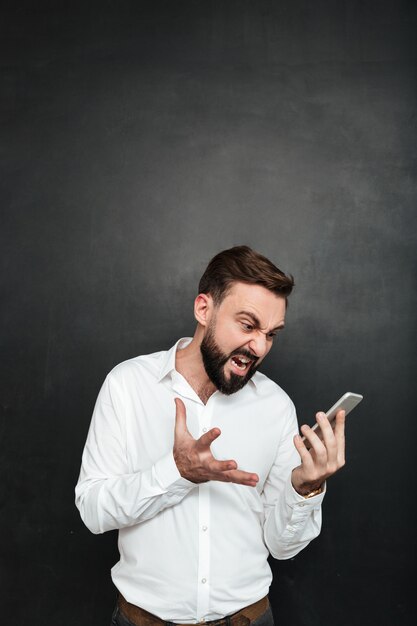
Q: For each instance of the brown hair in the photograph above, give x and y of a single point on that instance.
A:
(242, 264)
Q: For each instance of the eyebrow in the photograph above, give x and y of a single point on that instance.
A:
(256, 321)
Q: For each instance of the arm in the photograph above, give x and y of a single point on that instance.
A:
(294, 520)
(108, 495)
(291, 521)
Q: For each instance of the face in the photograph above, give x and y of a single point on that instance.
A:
(239, 334)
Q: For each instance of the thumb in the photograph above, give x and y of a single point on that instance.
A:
(180, 417)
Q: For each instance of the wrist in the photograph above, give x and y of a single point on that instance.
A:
(313, 492)
(306, 489)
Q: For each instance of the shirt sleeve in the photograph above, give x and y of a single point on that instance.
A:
(291, 521)
(107, 495)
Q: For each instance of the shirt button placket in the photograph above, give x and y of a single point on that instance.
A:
(203, 588)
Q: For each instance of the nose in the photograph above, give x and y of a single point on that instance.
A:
(258, 345)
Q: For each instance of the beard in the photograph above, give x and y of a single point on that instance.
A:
(214, 361)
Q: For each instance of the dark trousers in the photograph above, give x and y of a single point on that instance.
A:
(266, 619)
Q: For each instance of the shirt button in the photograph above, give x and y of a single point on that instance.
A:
(204, 580)
(204, 528)
(204, 430)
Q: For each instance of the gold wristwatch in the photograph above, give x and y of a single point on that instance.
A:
(313, 493)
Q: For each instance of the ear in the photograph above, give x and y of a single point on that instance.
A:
(203, 308)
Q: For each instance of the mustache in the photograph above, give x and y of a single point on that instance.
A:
(245, 353)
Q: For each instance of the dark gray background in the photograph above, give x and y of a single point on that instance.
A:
(139, 139)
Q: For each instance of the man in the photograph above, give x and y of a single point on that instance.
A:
(195, 457)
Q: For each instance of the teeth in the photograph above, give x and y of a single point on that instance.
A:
(243, 362)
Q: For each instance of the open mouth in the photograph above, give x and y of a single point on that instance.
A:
(240, 364)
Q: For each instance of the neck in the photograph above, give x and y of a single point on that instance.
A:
(189, 363)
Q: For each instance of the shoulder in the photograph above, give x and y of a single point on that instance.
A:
(144, 367)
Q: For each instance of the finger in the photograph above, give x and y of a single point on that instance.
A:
(207, 439)
(339, 430)
(240, 477)
(329, 438)
(316, 444)
(339, 433)
(302, 450)
(180, 417)
(217, 467)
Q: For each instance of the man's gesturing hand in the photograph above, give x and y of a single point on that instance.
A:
(324, 457)
(195, 460)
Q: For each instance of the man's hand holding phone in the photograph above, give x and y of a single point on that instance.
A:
(324, 456)
(322, 447)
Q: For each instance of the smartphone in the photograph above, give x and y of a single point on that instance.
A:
(347, 402)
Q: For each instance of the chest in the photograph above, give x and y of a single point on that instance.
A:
(250, 430)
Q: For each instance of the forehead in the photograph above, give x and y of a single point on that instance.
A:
(268, 307)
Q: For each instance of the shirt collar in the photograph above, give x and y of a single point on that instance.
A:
(168, 362)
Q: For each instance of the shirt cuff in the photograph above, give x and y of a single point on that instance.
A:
(297, 501)
(167, 475)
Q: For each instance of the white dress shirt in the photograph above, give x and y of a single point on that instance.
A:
(192, 552)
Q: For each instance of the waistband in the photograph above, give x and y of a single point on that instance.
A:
(244, 617)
